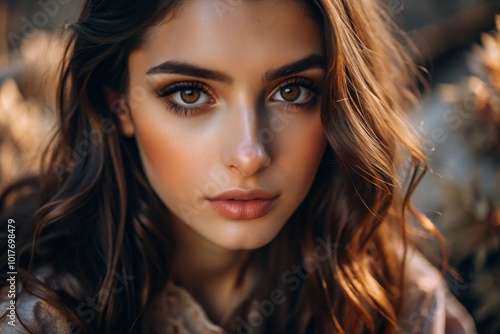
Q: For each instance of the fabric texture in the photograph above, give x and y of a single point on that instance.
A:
(35, 314)
(430, 308)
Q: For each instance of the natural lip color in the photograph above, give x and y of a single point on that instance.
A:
(244, 205)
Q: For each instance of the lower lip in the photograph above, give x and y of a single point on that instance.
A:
(244, 210)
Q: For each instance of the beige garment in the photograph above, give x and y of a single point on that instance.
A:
(430, 308)
(186, 316)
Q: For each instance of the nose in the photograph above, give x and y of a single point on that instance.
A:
(246, 154)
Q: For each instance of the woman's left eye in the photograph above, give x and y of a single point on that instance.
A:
(293, 94)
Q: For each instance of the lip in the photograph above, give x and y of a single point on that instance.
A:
(244, 204)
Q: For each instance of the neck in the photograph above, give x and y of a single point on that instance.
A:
(212, 274)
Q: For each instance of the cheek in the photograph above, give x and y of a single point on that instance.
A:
(177, 160)
(302, 146)
(161, 158)
(170, 159)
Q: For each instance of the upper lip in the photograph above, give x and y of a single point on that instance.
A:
(244, 195)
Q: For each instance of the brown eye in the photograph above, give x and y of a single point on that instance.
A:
(190, 96)
(293, 94)
(290, 93)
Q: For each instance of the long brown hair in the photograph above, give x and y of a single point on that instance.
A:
(98, 215)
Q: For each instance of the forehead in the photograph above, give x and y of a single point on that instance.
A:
(238, 31)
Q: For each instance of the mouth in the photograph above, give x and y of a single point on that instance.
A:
(244, 205)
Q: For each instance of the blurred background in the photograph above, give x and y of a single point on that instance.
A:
(459, 120)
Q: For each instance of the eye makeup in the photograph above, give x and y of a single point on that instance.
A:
(305, 86)
(186, 108)
(187, 98)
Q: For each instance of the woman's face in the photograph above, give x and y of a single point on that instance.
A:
(224, 105)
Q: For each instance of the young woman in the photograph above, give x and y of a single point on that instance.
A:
(228, 166)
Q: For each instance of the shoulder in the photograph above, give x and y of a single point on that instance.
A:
(35, 314)
(430, 307)
(31, 314)
(176, 311)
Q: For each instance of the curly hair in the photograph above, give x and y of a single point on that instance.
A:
(100, 213)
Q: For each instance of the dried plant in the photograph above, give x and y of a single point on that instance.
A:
(471, 212)
(27, 104)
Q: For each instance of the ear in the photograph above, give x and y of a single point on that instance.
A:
(121, 110)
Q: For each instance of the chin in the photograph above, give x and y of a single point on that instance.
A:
(246, 237)
(245, 245)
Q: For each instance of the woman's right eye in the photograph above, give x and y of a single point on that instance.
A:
(186, 98)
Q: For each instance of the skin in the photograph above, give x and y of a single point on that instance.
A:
(241, 136)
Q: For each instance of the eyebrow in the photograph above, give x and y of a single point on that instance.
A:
(312, 61)
(176, 67)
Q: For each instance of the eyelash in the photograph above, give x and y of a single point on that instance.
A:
(180, 86)
(301, 82)
(197, 85)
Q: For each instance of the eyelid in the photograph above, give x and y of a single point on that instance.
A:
(181, 85)
(304, 82)
(176, 87)
(299, 81)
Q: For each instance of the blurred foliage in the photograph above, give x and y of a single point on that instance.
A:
(471, 211)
